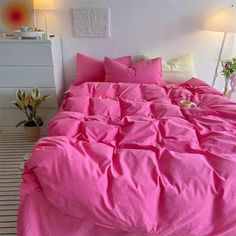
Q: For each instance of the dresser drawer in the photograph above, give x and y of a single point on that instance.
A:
(25, 54)
(25, 64)
(11, 117)
(26, 76)
(7, 95)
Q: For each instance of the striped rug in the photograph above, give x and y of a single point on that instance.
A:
(13, 146)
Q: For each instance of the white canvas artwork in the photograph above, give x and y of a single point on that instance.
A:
(91, 22)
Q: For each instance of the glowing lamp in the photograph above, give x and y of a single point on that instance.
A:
(222, 20)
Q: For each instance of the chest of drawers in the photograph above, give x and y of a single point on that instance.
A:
(25, 64)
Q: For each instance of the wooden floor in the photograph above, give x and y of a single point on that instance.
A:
(13, 146)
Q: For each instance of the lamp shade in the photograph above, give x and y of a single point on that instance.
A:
(43, 4)
(223, 20)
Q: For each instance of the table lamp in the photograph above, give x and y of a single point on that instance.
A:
(43, 5)
(222, 20)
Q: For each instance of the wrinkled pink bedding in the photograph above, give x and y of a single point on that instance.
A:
(126, 160)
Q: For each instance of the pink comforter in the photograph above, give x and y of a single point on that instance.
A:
(126, 159)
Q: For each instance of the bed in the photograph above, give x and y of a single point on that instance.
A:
(126, 159)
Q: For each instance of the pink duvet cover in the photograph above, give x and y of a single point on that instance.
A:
(126, 160)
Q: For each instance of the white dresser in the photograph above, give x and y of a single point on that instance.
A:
(25, 64)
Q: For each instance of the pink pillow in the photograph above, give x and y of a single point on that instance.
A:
(92, 70)
(148, 71)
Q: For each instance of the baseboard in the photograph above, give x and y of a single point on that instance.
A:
(12, 129)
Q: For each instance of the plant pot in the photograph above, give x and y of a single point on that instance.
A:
(33, 132)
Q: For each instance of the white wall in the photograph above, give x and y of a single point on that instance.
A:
(154, 27)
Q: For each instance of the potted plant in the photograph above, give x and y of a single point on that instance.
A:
(229, 69)
(29, 102)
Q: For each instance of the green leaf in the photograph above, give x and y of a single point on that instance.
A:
(20, 123)
(31, 116)
(45, 97)
(19, 95)
(35, 93)
(39, 121)
(17, 104)
(37, 104)
(23, 96)
(30, 108)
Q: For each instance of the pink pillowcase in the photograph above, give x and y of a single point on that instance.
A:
(92, 70)
(148, 71)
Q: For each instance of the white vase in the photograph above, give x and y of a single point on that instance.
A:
(232, 81)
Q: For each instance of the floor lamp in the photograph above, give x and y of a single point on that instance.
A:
(223, 20)
(44, 6)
